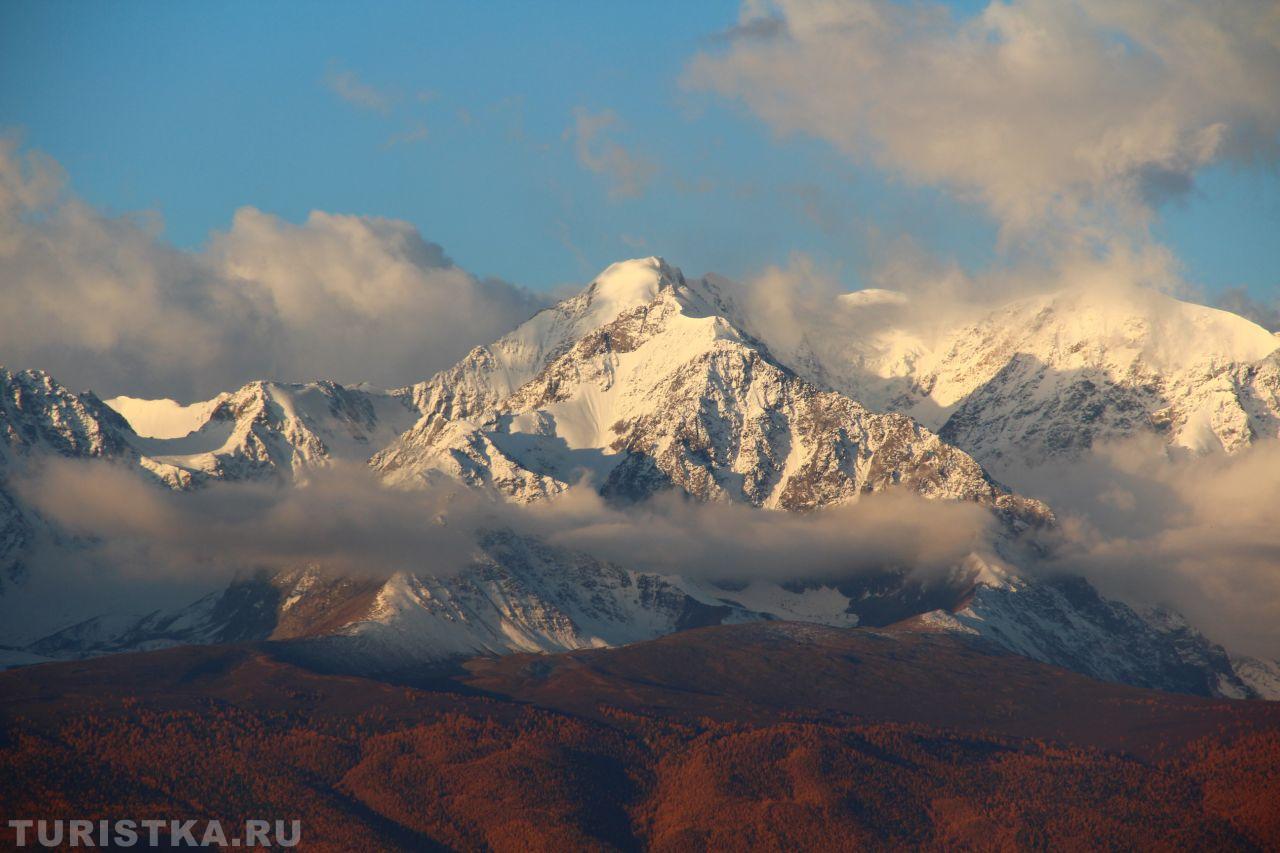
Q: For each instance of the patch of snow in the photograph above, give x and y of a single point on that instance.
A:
(1263, 676)
(872, 296)
(163, 418)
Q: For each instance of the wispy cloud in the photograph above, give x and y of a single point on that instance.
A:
(564, 235)
(350, 88)
(417, 132)
(628, 174)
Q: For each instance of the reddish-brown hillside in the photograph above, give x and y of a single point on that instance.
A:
(764, 736)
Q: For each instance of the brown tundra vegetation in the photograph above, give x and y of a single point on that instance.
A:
(766, 736)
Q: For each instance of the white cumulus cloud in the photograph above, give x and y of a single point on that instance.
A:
(103, 302)
(1041, 110)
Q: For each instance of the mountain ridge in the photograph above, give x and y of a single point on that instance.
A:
(1046, 376)
(642, 383)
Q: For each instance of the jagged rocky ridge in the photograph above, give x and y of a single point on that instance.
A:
(667, 393)
(1047, 376)
(40, 417)
(643, 382)
(1065, 621)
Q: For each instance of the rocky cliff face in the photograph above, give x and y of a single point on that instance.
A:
(39, 418)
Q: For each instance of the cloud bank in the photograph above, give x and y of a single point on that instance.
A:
(1196, 533)
(1041, 110)
(103, 302)
(346, 521)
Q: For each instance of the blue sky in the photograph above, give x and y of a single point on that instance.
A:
(191, 110)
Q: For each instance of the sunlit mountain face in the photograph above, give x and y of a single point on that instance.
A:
(630, 462)
(832, 425)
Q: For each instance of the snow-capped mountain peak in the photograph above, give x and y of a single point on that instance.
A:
(1120, 333)
(872, 296)
(1049, 374)
(645, 382)
(38, 414)
(623, 286)
(278, 429)
(670, 394)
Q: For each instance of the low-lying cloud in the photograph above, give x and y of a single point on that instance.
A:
(673, 535)
(104, 302)
(1152, 527)
(1195, 533)
(345, 521)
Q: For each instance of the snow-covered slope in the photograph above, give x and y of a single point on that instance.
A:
(664, 391)
(164, 418)
(274, 429)
(1050, 374)
(1064, 621)
(489, 374)
(517, 594)
(1261, 676)
(38, 415)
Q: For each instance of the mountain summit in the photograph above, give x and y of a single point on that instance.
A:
(643, 383)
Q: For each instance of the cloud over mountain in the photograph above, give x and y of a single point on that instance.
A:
(104, 301)
(347, 522)
(1193, 532)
